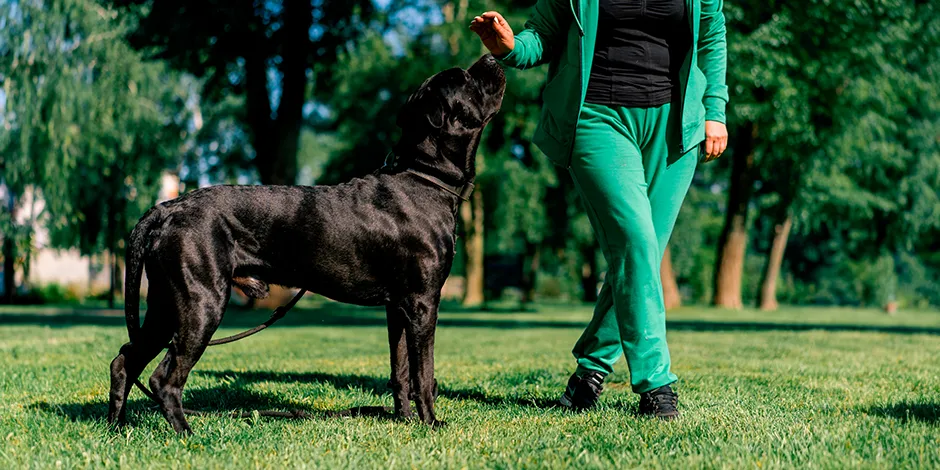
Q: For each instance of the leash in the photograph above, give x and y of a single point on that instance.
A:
(277, 315)
(463, 191)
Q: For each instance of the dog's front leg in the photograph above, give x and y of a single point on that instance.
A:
(422, 322)
(398, 347)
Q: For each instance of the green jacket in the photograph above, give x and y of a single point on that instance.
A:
(563, 33)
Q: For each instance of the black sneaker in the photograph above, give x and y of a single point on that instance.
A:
(660, 403)
(582, 393)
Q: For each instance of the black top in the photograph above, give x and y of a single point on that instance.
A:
(640, 47)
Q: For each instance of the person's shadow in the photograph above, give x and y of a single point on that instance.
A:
(907, 411)
(235, 397)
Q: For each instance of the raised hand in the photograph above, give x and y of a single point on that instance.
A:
(495, 33)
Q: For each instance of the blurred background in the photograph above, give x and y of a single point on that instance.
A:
(829, 193)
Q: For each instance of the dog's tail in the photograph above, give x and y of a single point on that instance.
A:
(138, 245)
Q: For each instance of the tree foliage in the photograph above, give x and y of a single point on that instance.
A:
(87, 123)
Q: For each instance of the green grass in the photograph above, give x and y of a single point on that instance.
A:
(820, 388)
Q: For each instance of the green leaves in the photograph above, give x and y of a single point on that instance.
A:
(88, 123)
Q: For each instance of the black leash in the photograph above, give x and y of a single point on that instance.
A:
(277, 315)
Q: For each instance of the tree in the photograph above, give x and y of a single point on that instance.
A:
(794, 73)
(671, 296)
(276, 55)
(89, 125)
(766, 103)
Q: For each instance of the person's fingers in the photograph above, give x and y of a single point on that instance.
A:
(724, 145)
(709, 147)
(482, 29)
(502, 25)
(499, 23)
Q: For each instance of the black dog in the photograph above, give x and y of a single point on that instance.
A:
(385, 239)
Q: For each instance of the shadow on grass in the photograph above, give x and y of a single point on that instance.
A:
(908, 411)
(236, 399)
(226, 402)
(346, 316)
(377, 386)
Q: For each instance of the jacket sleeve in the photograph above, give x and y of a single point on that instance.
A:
(713, 59)
(543, 31)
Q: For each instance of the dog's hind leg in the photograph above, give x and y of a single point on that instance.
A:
(197, 323)
(400, 382)
(132, 359)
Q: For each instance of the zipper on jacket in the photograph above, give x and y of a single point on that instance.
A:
(685, 91)
(575, 15)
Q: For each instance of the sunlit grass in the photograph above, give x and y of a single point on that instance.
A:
(801, 387)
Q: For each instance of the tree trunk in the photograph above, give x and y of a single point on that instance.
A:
(533, 255)
(28, 235)
(276, 133)
(112, 269)
(9, 251)
(589, 274)
(671, 297)
(9, 286)
(472, 214)
(767, 299)
(732, 244)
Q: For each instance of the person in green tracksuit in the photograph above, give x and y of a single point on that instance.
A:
(635, 98)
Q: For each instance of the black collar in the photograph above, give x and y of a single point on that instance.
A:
(463, 191)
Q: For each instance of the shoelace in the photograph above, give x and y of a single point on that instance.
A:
(661, 399)
(595, 381)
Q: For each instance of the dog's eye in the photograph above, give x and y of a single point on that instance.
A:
(466, 121)
(465, 116)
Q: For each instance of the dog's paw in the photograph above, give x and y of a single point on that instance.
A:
(438, 424)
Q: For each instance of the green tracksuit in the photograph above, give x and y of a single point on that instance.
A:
(632, 166)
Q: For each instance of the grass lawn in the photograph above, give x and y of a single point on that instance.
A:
(801, 387)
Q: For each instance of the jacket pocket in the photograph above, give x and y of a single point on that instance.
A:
(559, 102)
(694, 115)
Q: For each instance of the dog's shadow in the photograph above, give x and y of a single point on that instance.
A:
(377, 386)
(237, 398)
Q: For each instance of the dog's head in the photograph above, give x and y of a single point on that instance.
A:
(443, 120)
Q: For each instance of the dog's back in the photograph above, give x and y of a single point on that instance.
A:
(375, 228)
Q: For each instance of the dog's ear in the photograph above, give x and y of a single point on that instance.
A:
(427, 101)
(432, 110)
(435, 115)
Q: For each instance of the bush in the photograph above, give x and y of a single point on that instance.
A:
(54, 293)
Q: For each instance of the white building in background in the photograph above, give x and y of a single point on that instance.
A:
(68, 268)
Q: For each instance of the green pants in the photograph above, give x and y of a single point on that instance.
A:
(632, 187)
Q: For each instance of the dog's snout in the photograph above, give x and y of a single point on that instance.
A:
(488, 71)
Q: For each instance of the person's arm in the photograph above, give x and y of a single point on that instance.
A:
(544, 30)
(713, 61)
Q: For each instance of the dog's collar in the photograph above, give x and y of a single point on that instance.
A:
(463, 191)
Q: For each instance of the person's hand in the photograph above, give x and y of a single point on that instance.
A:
(716, 139)
(495, 33)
